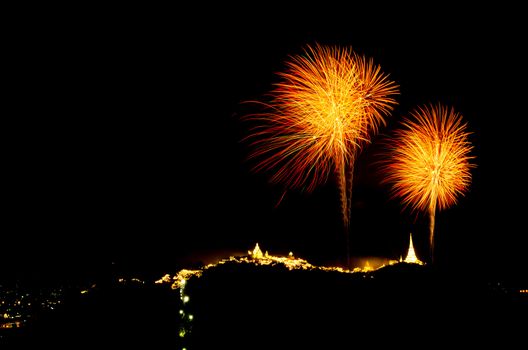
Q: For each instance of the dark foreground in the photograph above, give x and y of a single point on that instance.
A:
(237, 306)
(398, 306)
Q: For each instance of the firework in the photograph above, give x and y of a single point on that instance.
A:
(328, 103)
(429, 164)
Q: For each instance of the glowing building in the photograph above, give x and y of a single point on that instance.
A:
(411, 255)
(256, 253)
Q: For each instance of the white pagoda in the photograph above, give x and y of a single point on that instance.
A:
(411, 255)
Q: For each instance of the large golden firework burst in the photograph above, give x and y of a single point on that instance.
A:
(429, 163)
(328, 103)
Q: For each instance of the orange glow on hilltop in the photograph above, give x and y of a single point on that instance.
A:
(256, 257)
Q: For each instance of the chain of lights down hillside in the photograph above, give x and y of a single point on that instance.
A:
(429, 165)
(328, 104)
(256, 257)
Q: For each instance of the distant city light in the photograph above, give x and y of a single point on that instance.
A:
(186, 299)
(17, 307)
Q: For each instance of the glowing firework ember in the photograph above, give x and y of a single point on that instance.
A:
(328, 104)
(429, 165)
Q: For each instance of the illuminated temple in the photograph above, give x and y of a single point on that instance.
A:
(256, 257)
(411, 255)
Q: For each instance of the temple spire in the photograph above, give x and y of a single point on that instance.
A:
(256, 253)
(411, 255)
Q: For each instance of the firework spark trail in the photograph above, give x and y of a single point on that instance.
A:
(327, 105)
(429, 165)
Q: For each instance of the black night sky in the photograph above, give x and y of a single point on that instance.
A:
(123, 139)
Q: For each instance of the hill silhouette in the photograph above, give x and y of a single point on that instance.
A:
(244, 305)
(234, 305)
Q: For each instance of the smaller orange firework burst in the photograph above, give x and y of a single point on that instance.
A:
(429, 163)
